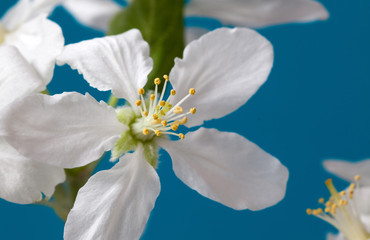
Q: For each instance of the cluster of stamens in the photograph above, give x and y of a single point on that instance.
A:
(341, 211)
(159, 116)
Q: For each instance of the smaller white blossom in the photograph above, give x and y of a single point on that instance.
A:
(218, 73)
(26, 27)
(21, 180)
(348, 210)
(243, 13)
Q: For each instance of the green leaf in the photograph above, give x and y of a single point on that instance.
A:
(161, 24)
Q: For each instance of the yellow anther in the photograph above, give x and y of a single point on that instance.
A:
(157, 81)
(158, 133)
(138, 102)
(178, 109)
(345, 202)
(317, 211)
(155, 116)
(321, 200)
(162, 103)
(164, 123)
(309, 211)
(328, 204)
(192, 91)
(333, 208)
(141, 91)
(145, 113)
(174, 127)
(327, 209)
(183, 121)
(342, 193)
(145, 131)
(341, 202)
(181, 136)
(152, 97)
(357, 177)
(193, 110)
(173, 92)
(352, 186)
(166, 77)
(157, 121)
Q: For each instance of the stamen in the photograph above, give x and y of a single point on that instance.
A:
(164, 123)
(181, 136)
(191, 91)
(138, 103)
(341, 211)
(178, 109)
(183, 121)
(193, 110)
(145, 131)
(157, 81)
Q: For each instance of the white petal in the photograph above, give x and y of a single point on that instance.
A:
(258, 13)
(116, 203)
(119, 63)
(93, 13)
(348, 170)
(193, 33)
(67, 130)
(228, 168)
(17, 77)
(25, 10)
(226, 67)
(40, 41)
(362, 198)
(22, 180)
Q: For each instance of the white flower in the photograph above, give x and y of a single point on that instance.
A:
(225, 68)
(38, 39)
(349, 210)
(247, 13)
(21, 180)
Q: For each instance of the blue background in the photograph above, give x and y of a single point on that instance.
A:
(315, 105)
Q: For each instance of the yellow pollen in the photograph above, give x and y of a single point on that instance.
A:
(321, 200)
(145, 131)
(164, 123)
(183, 121)
(166, 77)
(334, 208)
(155, 116)
(181, 136)
(328, 204)
(309, 211)
(193, 110)
(157, 81)
(327, 209)
(192, 91)
(152, 96)
(174, 127)
(157, 121)
(158, 133)
(145, 113)
(178, 109)
(352, 186)
(162, 103)
(173, 92)
(141, 91)
(357, 177)
(138, 102)
(342, 193)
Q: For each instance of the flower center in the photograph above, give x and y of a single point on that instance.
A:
(158, 116)
(341, 211)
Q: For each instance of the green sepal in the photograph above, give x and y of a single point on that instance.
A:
(161, 24)
(151, 153)
(126, 143)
